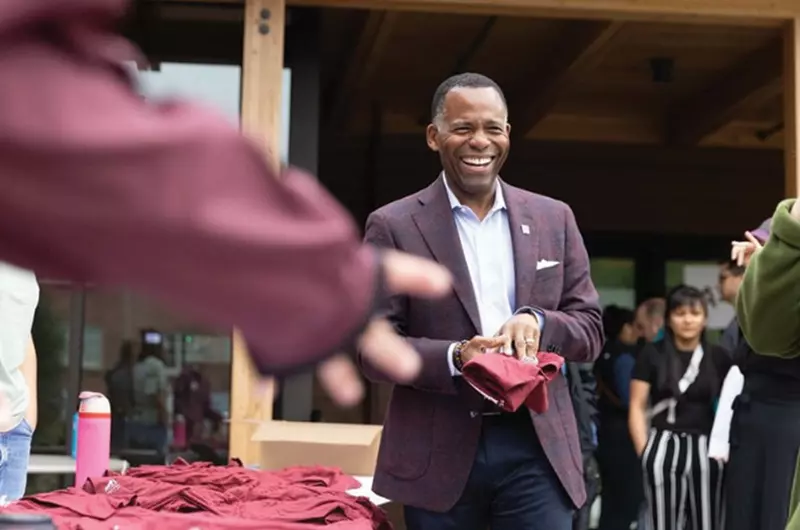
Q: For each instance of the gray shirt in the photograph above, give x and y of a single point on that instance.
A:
(19, 296)
(150, 385)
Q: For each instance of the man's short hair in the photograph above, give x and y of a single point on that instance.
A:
(465, 80)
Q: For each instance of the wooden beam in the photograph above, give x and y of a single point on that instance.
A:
(262, 79)
(752, 10)
(369, 48)
(750, 84)
(744, 12)
(580, 47)
(791, 106)
(465, 59)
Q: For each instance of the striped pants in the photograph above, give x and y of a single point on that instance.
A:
(683, 487)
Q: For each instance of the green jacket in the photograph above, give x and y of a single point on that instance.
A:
(768, 305)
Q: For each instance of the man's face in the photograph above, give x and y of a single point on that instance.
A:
(728, 284)
(647, 326)
(472, 139)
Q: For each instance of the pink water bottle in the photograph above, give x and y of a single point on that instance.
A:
(94, 437)
(179, 432)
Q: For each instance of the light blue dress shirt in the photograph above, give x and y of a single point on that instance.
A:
(489, 253)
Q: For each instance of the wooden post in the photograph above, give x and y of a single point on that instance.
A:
(262, 78)
(791, 85)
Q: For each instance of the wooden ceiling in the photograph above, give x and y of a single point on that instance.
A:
(565, 79)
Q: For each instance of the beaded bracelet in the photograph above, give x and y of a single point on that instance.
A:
(458, 361)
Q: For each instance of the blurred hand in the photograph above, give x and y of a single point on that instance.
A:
(385, 350)
(743, 251)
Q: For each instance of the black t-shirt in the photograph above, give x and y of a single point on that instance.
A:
(694, 412)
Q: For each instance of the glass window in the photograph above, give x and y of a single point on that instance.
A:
(614, 280)
(51, 321)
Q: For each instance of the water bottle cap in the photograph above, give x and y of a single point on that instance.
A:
(94, 402)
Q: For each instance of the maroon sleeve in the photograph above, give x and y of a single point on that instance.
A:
(435, 375)
(576, 328)
(98, 185)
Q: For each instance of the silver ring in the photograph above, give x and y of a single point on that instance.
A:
(529, 341)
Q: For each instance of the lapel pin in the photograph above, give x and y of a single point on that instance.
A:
(526, 229)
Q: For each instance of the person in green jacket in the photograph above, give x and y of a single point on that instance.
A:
(767, 308)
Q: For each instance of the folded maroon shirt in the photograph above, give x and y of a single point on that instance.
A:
(511, 382)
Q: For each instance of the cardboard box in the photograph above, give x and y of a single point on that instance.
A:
(352, 448)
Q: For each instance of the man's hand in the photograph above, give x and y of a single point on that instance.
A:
(479, 345)
(522, 332)
(385, 350)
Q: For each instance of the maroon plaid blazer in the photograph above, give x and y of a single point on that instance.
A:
(432, 428)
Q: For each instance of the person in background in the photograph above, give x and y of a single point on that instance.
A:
(620, 471)
(19, 296)
(650, 319)
(583, 391)
(119, 385)
(193, 402)
(730, 278)
(148, 428)
(681, 375)
(233, 241)
(764, 433)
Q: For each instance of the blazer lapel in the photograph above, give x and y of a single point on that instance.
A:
(437, 226)
(525, 239)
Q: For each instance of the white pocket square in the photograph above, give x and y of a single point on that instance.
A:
(545, 264)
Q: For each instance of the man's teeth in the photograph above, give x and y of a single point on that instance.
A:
(475, 161)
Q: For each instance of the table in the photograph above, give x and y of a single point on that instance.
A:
(65, 465)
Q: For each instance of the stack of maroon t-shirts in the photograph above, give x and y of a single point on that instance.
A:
(511, 382)
(184, 496)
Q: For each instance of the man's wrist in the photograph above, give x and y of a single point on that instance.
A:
(538, 314)
(454, 356)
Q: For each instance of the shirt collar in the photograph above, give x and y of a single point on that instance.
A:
(455, 204)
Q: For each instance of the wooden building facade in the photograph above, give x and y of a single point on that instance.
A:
(669, 126)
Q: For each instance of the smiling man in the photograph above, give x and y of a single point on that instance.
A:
(521, 285)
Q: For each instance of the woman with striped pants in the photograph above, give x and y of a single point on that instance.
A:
(681, 376)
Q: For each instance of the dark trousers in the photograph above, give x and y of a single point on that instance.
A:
(511, 485)
(765, 443)
(622, 494)
(592, 478)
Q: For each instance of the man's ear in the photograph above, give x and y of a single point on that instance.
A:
(430, 137)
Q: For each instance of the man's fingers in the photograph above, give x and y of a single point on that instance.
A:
(340, 379)
(389, 353)
(498, 342)
(506, 346)
(520, 345)
(409, 274)
(533, 345)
